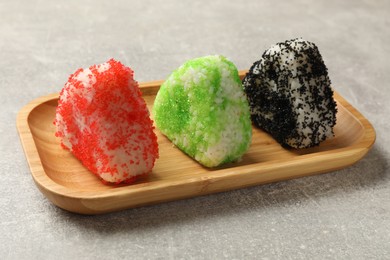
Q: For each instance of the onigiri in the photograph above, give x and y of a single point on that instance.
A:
(290, 94)
(202, 109)
(103, 120)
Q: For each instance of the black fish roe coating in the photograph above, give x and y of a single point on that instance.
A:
(274, 111)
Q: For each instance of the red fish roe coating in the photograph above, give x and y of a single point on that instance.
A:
(103, 120)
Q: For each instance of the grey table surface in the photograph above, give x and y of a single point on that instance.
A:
(339, 215)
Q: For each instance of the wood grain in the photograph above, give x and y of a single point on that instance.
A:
(65, 181)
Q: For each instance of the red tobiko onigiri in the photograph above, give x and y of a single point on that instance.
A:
(104, 121)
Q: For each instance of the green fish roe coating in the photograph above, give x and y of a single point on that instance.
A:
(203, 110)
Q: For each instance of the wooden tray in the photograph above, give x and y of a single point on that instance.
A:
(65, 181)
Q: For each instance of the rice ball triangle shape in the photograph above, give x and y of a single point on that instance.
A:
(290, 94)
(104, 121)
(202, 109)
